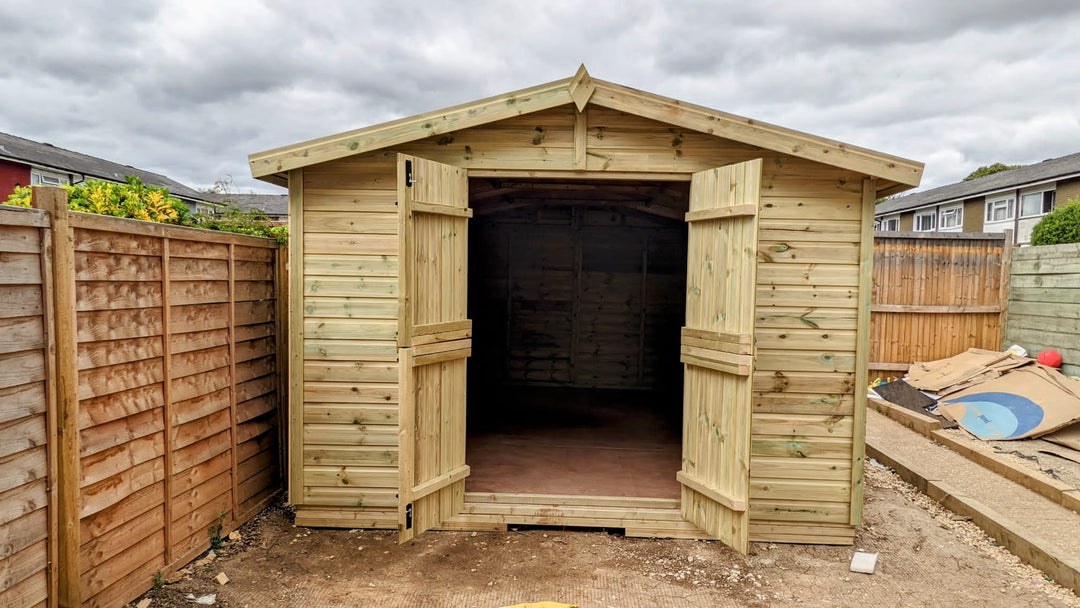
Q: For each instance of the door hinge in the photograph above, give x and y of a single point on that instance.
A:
(408, 516)
(409, 181)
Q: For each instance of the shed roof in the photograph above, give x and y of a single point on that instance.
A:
(1030, 175)
(27, 151)
(897, 173)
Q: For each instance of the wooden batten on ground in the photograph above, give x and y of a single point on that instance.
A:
(157, 346)
(618, 239)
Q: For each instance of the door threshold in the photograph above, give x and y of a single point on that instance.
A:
(639, 517)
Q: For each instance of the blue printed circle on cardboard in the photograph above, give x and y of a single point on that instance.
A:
(999, 415)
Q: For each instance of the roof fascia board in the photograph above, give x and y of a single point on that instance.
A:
(752, 132)
(37, 165)
(404, 130)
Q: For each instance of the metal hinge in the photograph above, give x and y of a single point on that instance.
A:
(408, 516)
(409, 181)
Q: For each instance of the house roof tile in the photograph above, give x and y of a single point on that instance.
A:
(48, 156)
(1045, 171)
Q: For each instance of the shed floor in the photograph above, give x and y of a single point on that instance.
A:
(576, 441)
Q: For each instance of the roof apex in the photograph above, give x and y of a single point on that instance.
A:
(582, 90)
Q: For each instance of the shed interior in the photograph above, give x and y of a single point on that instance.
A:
(577, 295)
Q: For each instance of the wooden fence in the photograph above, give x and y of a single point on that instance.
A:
(139, 402)
(1044, 302)
(936, 295)
(27, 420)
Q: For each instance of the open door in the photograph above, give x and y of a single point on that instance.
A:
(717, 350)
(434, 340)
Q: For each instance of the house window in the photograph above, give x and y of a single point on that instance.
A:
(1000, 210)
(1036, 203)
(951, 217)
(889, 224)
(925, 221)
(46, 178)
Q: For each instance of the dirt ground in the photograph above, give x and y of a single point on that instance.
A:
(927, 557)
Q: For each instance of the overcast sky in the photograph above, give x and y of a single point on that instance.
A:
(190, 88)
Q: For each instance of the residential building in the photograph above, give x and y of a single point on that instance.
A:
(275, 206)
(25, 162)
(1015, 200)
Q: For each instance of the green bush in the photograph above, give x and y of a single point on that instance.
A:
(132, 199)
(135, 200)
(20, 197)
(253, 222)
(1062, 225)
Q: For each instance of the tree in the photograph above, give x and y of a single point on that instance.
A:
(990, 170)
(1062, 225)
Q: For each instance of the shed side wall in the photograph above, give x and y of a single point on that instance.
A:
(804, 379)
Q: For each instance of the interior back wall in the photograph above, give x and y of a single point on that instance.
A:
(577, 296)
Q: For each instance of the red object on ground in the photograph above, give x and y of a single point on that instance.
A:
(1051, 358)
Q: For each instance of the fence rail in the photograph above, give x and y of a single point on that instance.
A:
(139, 400)
(936, 295)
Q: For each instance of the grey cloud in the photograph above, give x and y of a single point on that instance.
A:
(190, 88)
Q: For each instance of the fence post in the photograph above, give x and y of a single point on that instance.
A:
(65, 384)
(281, 315)
(234, 445)
(1003, 291)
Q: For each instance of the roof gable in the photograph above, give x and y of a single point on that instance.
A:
(581, 90)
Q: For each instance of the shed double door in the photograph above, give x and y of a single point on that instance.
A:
(717, 350)
(434, 340)
(434, 336)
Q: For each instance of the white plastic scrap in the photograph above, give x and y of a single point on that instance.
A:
(203, 600)
(1017, 350)
(864, 562)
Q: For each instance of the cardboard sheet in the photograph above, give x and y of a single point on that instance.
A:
(962, 371)
(1026, 402)
(1068, 437)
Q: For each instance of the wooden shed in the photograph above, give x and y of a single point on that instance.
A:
(666, 308)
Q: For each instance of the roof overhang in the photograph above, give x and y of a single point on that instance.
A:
(897, 174)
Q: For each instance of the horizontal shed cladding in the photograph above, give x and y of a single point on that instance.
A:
(25, 508)
(810, 226)
(349, 310)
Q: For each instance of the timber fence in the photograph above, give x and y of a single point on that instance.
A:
(1044, 302)
(936, 295)
(139, 398)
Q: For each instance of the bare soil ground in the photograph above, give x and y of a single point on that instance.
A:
(927, 557)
